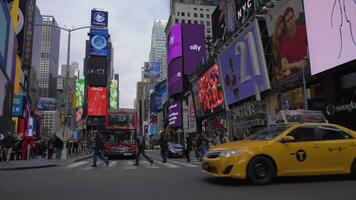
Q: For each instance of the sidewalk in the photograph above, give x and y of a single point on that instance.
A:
(40, 163)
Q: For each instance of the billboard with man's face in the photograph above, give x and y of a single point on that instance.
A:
(286, 27)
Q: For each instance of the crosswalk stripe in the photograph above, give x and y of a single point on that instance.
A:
(112, 163)
(90, 167)
(77, 164)
(168, 165)
(183, 163)
(148, 165)
(129, 165)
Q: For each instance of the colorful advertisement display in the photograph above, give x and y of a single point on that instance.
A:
(175, 77)
(152, 69)
(155, 102)
(243, 66)
(97, 101)
(99, 42)
(79, 93)
(336, 20)
(192, 125)
(99, 18)
(47, 104)
(153, 124)
(17, 106)
(245, 9)
(193, 46)
(286, 27)
(195, 91)
(228, 13)
(210, 91)
(174, 43)
(162, 93)
(175, 115)
(114, 88)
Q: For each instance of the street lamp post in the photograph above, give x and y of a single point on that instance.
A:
(66, 85)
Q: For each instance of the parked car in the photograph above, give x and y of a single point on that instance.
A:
(175, 150)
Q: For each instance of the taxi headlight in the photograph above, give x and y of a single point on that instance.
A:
(227, 154)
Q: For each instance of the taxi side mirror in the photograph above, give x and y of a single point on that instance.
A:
(287, 139)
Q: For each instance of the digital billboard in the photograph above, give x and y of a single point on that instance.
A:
(79, 93)
(47, 104)
(152, 69)
(162, 93)
(197, 105)
(99, 18)
(96, 71)
(114, 88)
(286, 28)
(210, 91)
(193, 46)
(175, 77)
(192, 125)
(245, 9)
(331, 28)
(174, 43)
(97, 101)
(175, 115)
(17, 106)
(243, 66)
(99, 42)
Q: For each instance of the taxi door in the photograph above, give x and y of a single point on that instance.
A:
(301, 156)
(339, 149)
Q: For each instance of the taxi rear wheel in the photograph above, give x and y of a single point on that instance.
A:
(260, 170)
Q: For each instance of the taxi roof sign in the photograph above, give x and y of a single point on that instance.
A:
(300, 116)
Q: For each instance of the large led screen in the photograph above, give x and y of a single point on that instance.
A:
(197, 105)
(175, 115)
(79, 93)
(97, 101)
(286, 28)
(243, 66)
(193, 46)
(331, 27)
(162, 93)
(175, 77)
(210, 91)
(174, 43)
(114, 85)
(99, 18)
(99, 42)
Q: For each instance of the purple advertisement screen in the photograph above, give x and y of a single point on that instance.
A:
(174, 43)
(193, 46)
(175, 114)
(243, 66)
(175, 77)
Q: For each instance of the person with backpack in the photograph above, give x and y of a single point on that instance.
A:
(141, 149)
(98, 146)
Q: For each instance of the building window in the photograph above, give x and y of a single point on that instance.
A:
(208, 32)
(189, 21)
(183, 21)
(188, 14)
(195, 21)
(202, 22)
(195, 8)
(201, 15)
(195, 15)
(208, 23)
(178, 13)
(207, 10)
(201, 9)
(183, 14)
(176, 20)
(207, 16)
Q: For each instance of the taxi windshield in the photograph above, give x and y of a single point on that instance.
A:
(268, 133)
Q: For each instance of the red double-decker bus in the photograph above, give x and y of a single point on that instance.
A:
(121, 127)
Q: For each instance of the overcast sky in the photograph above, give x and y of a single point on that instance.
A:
(130, 27)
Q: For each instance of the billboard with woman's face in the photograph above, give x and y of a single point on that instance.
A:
(210, 91)
(286, 27)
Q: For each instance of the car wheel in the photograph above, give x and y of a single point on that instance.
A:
(353, 169)
(260, 170)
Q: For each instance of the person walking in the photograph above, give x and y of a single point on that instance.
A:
(50, 148)
(59, 148)
(187, 148)
(216, 139)
(164, 146)
(203, 145)
(140, 141)
(98, 146)
(9, 143)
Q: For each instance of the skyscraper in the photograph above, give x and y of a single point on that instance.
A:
(158, 51)
(49, 57)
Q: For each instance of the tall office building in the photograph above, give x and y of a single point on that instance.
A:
(158, 51)
(192, 12)
(49, 57)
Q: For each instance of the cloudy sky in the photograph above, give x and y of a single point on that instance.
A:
(130, 27)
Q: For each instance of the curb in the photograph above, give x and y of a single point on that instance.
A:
(29, 167)
(83, 158)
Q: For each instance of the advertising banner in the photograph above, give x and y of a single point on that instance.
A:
(193, 46)
(175, 77)
(99, 18)
(175, 115)
(245, 10)
(337, 43)
(228, 9)
(243, 66)
(162, 94)
(97, 101)
(99, 42)
(192, 125)
(197, 105)
(114, 94)
(28, 37)
(174, 43)
(152, 69)
(17, 106)
(47, 104)
(210, 91)
(79, 93)
(30, 126)
(155, 102)
(286, 27)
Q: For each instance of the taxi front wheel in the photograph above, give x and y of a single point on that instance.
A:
(260, 170)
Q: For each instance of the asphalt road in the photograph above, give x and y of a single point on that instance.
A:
(175, 180)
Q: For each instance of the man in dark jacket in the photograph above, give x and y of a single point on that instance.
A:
(98, 146)
(187, 148)
(140, 141)
(9, 143)
(164, 146)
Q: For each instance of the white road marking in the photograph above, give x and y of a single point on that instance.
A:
(77, 164)
(148, 165)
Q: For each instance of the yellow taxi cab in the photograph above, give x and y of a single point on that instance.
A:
(285, 150)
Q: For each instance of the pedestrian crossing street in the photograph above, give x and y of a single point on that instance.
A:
(129, 164)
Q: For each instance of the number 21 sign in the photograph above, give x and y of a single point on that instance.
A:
(243, 66)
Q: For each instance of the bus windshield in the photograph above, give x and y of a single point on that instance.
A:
(120, 137)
